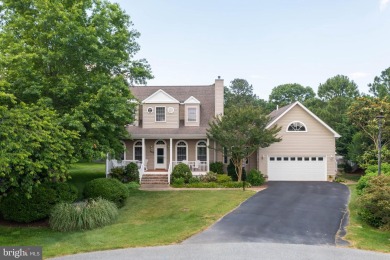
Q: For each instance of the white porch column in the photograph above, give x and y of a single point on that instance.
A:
(170, 153)
(143, 151)
(208, 155)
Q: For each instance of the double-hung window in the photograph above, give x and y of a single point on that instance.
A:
(160, 114)
(191, 114)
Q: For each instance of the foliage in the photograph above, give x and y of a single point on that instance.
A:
(217, 167)
(128, 174)
(240, 93)
(214, 185)
(209, 177)
(76, 57)
(381, 86)
(338, 86)
(285, 94)
(90, 214)
(19, 208)
(371, 172)
(242, 131)
(222, 178)
(375, 202)
(370, 157)
(178, 182)
(231, 171)
(34, 148)
(363, 113)
(131, 186)
(181, 170)
(139, 224)
(194, 180)
(255, 178)
(109, 189)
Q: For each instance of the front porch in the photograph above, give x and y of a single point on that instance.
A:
(157, 176)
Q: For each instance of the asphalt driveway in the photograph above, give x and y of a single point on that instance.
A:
(308, 213)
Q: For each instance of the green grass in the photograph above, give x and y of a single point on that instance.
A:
(147, 219)
(349, 176)
(84, 172)
(361, 235)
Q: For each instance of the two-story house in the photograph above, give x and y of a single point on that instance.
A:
(170, 127)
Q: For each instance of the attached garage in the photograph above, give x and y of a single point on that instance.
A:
(297, 168)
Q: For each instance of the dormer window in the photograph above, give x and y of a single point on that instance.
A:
(296, 127)
(191, 114)
(160, 114)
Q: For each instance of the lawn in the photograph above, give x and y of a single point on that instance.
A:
(147, 219)
(361, 235)
(84, 172)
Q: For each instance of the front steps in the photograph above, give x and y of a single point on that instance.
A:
(149, 178)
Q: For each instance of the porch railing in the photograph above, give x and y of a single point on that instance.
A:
(195, 166)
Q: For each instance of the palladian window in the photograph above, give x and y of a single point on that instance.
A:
(181, 151)
(296, 127)
(201, 151)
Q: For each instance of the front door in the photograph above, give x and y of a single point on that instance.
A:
(160, 155)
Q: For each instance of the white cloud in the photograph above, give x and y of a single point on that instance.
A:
(383, 4)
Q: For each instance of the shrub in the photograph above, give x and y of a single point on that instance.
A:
(109, 189)
(82, 216)
(131, 173)
(236, 184)
(255, 177)
(222, 178)
(217, 167)
(178, 182)
(374, 203)
(181, 171)
(128, 174)
(371, 172)
(17, 207)
(209, 177)
(231, 170)
(194, 180)
(132, 186)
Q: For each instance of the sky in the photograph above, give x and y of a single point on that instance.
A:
(266, 42)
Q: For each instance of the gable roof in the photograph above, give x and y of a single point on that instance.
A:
(192, 100)
(160, 96)
(279, 113)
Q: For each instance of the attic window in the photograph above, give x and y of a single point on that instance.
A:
(296, 127)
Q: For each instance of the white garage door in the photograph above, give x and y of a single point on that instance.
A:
(297, 168)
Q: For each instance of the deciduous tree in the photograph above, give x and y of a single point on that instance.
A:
(76, 57)
(338, 86)
(242, 131)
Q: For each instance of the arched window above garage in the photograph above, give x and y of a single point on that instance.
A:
(296, 126)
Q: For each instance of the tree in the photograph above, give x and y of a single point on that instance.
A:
(338, 86)
(242, 131)
(240, 93)
(362, 113)
(381, 86)
(34, 148)
(75, 57)
(289, 93)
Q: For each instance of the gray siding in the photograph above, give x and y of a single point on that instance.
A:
(171, 120)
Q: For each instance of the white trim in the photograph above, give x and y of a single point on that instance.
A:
(191, 100)
(310, 113)
(165, 114)
(196, 115)
(142, 151)
(186, 149)
(147, 110)
(196, 149)
(296, 121)
(156, 146)
(160, 96)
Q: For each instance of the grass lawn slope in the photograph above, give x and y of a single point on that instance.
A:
(361, 235)
(147, 219)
